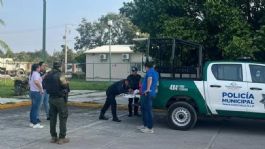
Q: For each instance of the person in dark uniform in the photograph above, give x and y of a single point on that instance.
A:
(134, 80)
(57, 87)
(114, 90)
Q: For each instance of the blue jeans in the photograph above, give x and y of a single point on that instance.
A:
(45, 99)
(147, 110)
(35, 106)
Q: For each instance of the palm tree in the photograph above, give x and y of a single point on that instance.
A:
(3, 45)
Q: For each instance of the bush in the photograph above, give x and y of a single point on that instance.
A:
(79, 76)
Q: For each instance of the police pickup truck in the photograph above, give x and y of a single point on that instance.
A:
(215, 88)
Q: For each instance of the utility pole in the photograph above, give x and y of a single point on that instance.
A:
(65, 45)
(65, 50)
(44, 31)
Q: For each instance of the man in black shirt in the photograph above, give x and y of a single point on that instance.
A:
(45, 97)
(113, 90)
(134, 80)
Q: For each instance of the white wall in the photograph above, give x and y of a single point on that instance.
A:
(97, 69)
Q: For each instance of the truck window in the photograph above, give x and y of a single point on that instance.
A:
(227, 72)
(257, 73)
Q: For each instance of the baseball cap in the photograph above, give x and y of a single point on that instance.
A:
(134, 69)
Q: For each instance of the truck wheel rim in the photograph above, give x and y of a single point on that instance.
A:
(181, 116)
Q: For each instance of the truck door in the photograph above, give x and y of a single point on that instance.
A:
(256, 86)
(226, 89)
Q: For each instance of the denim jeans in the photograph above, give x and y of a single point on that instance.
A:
(45, 100)
(35, 106)
(147, 110)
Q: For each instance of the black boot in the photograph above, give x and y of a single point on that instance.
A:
(102, 117)
(116, 120)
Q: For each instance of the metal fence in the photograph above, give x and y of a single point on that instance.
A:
(103, 71)
(79, 71)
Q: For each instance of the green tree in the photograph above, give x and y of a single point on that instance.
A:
(92, 34)
(60, 55)
(81, 60)
(9, 54)
(259, 42)
(2, 53)
(29, 56)
(3, 45)
(226, 28)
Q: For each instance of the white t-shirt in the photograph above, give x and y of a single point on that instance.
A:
(35, 76)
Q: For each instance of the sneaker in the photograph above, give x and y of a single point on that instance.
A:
(140, 127)
(31, 125)
(147, 130)
(48, 118)
(63, 140)
(37, 126)
(54, 140)
(130, 115)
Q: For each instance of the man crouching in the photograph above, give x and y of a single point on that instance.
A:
(114, 90)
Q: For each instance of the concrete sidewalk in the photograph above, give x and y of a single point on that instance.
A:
(74, 96)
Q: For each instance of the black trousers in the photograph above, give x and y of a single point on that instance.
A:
(133, 102)
(110, 102)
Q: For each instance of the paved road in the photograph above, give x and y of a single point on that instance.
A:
(85, 131)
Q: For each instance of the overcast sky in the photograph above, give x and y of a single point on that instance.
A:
(23, 21)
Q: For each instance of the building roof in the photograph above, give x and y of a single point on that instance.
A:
(114, 49)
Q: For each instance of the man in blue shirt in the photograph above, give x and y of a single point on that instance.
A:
(149, 85)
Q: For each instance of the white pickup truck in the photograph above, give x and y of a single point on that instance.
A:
(235, 89)
(190, 87)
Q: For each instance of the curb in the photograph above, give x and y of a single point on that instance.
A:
(94, 105)
(11, 105)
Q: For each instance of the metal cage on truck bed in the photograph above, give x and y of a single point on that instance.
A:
(175, 58)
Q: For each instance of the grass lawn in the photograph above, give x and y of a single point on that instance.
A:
(7, 86)
(85, 85)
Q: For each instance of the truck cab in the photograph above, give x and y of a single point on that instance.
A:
(193, 89)
(235, 89)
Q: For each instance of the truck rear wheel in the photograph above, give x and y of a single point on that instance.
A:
(182, 116)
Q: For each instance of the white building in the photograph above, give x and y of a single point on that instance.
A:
(122, 59)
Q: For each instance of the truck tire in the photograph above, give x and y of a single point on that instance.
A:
(182, 116)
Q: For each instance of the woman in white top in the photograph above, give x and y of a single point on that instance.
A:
(36, 92)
